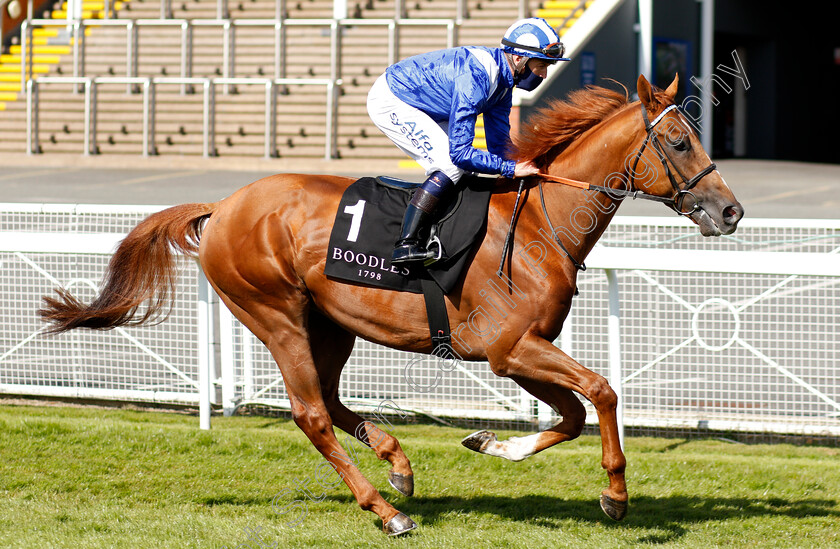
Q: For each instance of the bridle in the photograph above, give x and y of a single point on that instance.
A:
(675, 202)
(680, 193)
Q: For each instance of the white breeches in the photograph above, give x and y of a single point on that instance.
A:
(412, 130)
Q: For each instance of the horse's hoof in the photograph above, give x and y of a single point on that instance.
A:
(614, 509)
(479, 440)
(400, 524)
(404, 484)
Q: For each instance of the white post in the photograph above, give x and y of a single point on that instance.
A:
(211, 346)
(25, 52)
(209, 127)
(331, 141)
(270, 120)
(74, 10)
(524, 10)
(544, 418)
(226, 348)
(646, 38)
(461, 10)
(90, 117)
(707, 49)
(339, 9)
(614, 335)
(526, 403)
(32, 120)
(247, 364)
(148, 145)
(566, 333)
(393, 42)
(204, 350)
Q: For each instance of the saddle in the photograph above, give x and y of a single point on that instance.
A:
(368, 221)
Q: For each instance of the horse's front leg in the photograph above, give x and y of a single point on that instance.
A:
(533, 362)
(562, 400)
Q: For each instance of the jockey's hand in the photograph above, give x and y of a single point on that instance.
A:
(524, 169)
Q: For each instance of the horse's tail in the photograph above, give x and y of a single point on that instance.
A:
(142, 270)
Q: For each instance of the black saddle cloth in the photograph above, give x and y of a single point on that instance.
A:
(367, 224)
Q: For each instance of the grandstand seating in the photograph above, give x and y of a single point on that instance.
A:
(240, 108)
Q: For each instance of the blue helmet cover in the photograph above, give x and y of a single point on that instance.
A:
(534, 32)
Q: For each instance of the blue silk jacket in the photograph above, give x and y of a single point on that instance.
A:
(455, 85)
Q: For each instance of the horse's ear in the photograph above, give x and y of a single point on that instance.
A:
(672, 89)
(645, 92)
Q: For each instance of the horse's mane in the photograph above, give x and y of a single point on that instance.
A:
(551, 129)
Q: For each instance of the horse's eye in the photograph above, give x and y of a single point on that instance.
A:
(681, 145)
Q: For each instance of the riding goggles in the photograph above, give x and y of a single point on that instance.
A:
(555, 50)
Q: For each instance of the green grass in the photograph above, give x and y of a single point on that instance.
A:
(83, 477)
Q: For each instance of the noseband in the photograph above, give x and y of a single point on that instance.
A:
(677, 201)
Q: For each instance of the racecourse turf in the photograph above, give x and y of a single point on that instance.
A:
(81, 478)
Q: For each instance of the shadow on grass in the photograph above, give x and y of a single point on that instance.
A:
(673, 514)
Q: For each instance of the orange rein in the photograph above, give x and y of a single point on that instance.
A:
(566, 181)
(615, 193)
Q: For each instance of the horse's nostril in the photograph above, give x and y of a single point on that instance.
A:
(733, 214)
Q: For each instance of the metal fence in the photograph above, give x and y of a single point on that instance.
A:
(743, 336)
(735, 333)
(150, 85)
(187, 80)
(43, 247)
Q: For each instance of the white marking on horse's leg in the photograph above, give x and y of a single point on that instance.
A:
(514, 448)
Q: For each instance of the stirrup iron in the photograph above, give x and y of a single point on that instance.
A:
(431, 245)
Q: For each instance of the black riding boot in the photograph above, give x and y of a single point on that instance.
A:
(408, 247)
(424, 204)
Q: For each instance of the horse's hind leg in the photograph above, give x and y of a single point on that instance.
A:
(277, 324)
(331, 347)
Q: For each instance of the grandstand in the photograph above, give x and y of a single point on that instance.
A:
(273, 78)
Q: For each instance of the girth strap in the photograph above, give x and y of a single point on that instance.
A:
(436, 313)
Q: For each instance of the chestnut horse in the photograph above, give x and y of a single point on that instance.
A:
(264, 249)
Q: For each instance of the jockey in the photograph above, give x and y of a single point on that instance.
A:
(428, 105)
